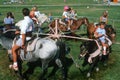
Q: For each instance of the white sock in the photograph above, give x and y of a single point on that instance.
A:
(15, 63)
(104, 48)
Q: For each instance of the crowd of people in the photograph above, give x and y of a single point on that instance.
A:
(31, 18)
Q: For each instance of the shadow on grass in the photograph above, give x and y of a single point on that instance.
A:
(33, 65)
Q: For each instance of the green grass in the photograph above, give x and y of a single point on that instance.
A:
(111, 72)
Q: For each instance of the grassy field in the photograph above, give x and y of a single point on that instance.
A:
(111, 72)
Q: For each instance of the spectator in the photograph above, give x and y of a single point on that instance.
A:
(73, 14)
(37, 12)
(50, 17)
(9, 21)
(34, 14)
(104, 17)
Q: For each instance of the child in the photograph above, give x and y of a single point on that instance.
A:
(100, 33)
(66, 15)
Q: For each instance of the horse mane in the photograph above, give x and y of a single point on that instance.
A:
(88, 45)
(86, 21)
(109, 28)
(63, 48)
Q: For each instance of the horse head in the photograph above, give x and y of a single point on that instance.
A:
(111, 33)
(83, 50)
(7, 37)
(86, 49)
(86, 21)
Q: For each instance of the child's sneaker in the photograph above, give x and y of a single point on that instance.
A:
(15, 67)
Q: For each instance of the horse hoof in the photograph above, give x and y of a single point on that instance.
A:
(97, 69)
(88, 74)
(10, 66)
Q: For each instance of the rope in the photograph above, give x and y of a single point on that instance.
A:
(74, 61)
(64, 36)
(57, 35)
(76, 64)
(117, 42)
(9, 30)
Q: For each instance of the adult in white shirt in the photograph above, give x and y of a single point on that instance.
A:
(104, 17)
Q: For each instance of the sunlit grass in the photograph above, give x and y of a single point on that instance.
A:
(111, 72)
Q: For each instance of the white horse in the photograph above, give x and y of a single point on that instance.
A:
(45, 49)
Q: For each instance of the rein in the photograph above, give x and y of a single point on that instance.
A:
(9, 30)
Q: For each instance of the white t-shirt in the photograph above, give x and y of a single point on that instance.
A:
(103, 19)
(101, 31)
(66, 14)
(27, 25)
(37, 13)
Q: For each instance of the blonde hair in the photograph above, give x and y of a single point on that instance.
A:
(34, 8)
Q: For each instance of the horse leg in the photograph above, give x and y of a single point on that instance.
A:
(92, 66)
(54, 70)
(29, 71)
(42, 77)
(97, 62)
(63, 68)
(44, 69)
(10, 56)
(31, 68)
(85, 61)
(19, 72)
(104, 59)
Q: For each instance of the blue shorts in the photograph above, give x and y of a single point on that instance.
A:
(66, 19)
(102, 40)
(19, 41)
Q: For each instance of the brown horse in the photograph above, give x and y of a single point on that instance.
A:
(110, 31)
(64, 27)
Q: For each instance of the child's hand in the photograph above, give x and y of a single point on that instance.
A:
(17, 32)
